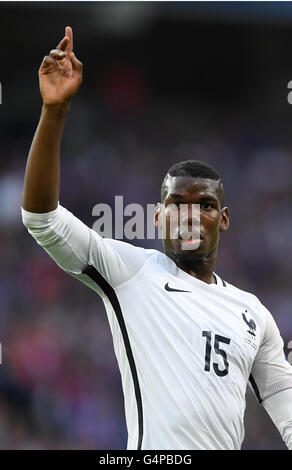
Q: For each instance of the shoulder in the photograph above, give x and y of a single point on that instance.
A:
(120, 248)
(250, 299)
(243, 294)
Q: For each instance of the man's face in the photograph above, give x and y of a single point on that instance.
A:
(205, 193)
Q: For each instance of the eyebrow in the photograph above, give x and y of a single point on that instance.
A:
(175, 196)
(208, 198)
(205, 197)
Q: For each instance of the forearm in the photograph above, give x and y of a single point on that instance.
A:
(42, 175)
(279, 407)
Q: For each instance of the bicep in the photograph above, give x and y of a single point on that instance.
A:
(74, 246)
(64, 237)
(271, 372)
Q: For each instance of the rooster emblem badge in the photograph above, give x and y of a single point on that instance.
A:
(250, 323)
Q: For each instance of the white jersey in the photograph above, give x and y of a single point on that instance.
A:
(186, 349)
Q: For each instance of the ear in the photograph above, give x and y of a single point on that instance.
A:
(224, 222)
(157, 215)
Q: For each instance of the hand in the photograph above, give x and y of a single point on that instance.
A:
(60, 74)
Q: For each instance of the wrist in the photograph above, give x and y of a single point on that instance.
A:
(59, 110)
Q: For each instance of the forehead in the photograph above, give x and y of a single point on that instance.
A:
(191, 185)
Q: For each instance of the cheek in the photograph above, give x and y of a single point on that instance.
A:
(211, 224)
(170, 224)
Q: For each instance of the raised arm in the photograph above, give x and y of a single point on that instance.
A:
(66, 239)
(60, 76)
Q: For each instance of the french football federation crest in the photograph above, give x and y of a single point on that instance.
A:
(250, 323)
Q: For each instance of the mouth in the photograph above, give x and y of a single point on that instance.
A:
(190, 243)
(194, 238)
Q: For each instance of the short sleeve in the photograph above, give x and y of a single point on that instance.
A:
(271, 372)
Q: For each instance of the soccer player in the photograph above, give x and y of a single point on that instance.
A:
(187, 342)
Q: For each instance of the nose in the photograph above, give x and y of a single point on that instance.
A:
(190, 221)
(189, 214)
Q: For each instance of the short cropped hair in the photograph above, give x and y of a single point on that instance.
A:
(194, 168)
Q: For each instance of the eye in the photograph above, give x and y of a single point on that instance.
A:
(206, 206)
(174, 204)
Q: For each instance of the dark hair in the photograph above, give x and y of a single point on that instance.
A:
(194, 168)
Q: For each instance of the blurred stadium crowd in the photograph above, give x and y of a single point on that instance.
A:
(59, 382)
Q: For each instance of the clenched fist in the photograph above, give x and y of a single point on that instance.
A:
(60, 73)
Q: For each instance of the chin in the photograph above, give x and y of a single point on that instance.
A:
(187, 257)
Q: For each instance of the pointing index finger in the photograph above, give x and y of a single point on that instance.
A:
(69, 34)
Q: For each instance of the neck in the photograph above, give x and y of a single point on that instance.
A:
(201, 269)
